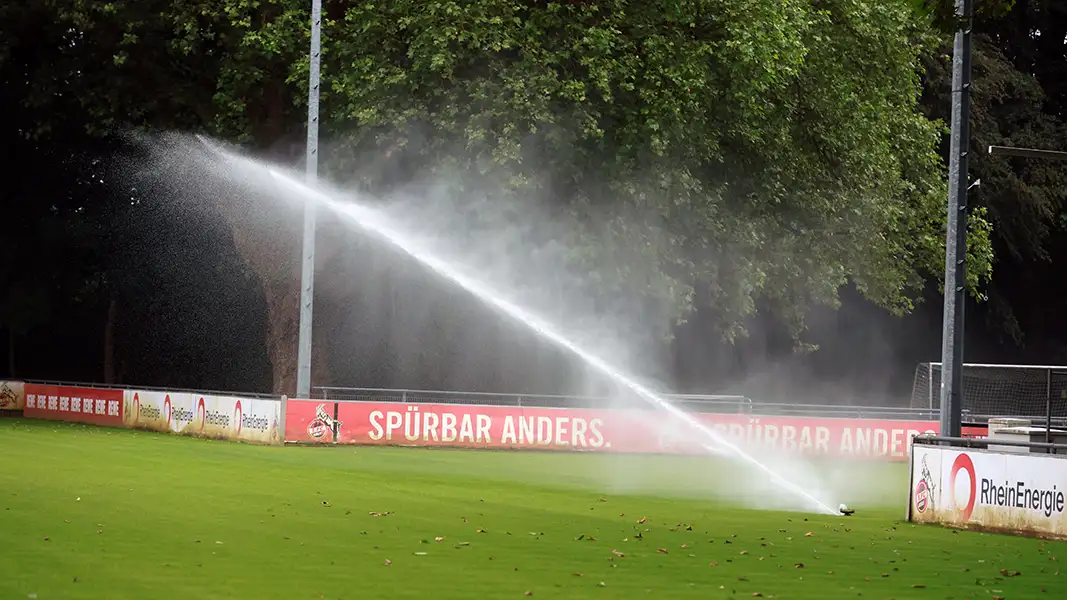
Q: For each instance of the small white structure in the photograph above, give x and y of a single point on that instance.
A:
(1026, 434)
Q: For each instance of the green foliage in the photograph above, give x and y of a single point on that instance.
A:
(1022, 196)
(732, 145)
(942, 13)
(761, 163)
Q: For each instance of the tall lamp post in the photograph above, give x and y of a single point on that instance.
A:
(956, 238)
(307, 274)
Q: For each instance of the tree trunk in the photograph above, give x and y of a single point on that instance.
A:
(109, 341)
(270, 242)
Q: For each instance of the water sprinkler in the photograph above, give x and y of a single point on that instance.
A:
(846, 511)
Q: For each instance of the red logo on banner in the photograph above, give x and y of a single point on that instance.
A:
(922, 496)
(238, 415)
(201, 413)
(964, 463)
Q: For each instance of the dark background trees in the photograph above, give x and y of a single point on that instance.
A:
(794, 155)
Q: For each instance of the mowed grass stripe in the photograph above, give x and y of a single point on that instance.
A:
(153, 509)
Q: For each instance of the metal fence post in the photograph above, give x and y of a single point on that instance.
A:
(1048, 406)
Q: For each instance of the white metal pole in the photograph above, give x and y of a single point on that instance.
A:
(307, 275)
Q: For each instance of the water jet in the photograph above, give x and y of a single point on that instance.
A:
(375, 223)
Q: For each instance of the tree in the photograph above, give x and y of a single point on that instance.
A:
(772, 168)
(798, 169)
(1016, 100)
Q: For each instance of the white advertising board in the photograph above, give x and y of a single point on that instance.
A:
(169, 412)
(224, 417)
(989, 490)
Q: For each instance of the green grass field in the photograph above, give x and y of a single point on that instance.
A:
(109, 514)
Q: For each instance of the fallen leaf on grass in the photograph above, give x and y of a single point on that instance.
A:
(388, 562)
(590, 539)
(808, 534)
(829, 572)
(744, 552)
(918, 586)
(602, 584)
(885, 574)
(642, 520)
(661, 550)
(439, 539)
(799, 566)
(756, 594)
(528, 593)
(420, 554)
(383, 514)
(576, 574)
(713, 564)
(481, 531)
(617, 553)
(685, 545)
(602, 500)
(1008, 573)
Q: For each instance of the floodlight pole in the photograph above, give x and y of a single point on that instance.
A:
(307, 274)
(956, 235)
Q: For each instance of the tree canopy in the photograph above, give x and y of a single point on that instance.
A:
(763, 164)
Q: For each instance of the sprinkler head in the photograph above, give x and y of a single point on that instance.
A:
(846, 510)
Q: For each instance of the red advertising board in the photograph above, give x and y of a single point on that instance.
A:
(593, 430)
(76, 404)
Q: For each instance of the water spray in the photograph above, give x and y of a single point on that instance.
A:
(375, 223)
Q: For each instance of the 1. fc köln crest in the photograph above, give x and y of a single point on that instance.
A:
(324, 428)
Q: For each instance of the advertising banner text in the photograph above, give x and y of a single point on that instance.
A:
(1002, 491)
(97, 406)
(635, 431)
